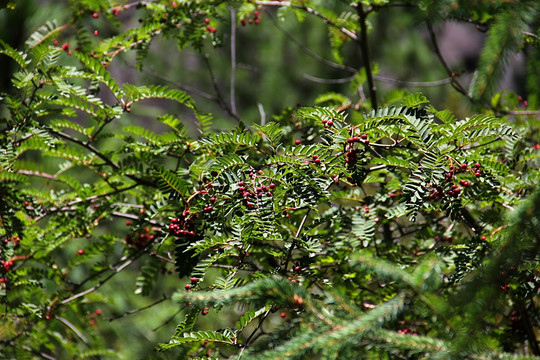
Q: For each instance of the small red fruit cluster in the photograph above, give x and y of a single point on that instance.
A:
(14, 240)
(183, 226)
(7, 265)
(327, 123)
(525, 103)
(255, 20)
(250, 195)
(140, 240)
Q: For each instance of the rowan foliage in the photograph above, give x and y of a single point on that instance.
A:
(349, 227)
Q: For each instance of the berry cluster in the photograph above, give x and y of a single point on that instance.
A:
(437, 190)
(14, 240)
(250, 195)
(327, 123)
(525, 103)
(140, 240)
(255, 20)
(183, 226)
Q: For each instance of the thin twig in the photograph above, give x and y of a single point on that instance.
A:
(455, 83)
(363, 42)
(73, 328)
(220, 98)
(329, 81)
(261, 321)
(309, 51)
(134, 311)
(311, 11)
(233, 60)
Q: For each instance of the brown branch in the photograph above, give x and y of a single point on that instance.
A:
(311, 11)
(455, 83)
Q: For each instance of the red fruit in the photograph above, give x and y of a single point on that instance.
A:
(187, 287)
(80, 252)
(203, 192)
(464, 166)
(330, 123)
(98, 312)
(115, 11)
(2, 280)
(207, 20)
(363, 136)
(283, 314)
(297, 142)
(366, 141)
(65, 46)
(520, 99)
(256, 21)
(243, 22)
(317, 161)
(208, 209)
(256, 13)
(55, 42)
(477, 173)
(95, 15)
(128, 222)
(96, 33)
(392, 195)
(536, 147)
(92, 322)
(204, 312)
(194, 280)
(477, 165)
(483, 238)
(272, 186)
(525, 103)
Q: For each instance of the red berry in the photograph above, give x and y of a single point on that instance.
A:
(525, 103)
(207, 20)
(204, 312)
(98, 312)
(187, 287)
(330, 123)
(317, 161)
(363, 136)
(464, 166)
(297, 142)
(115, 11)
(65, 46)
(283, 314)
(95, 15)
(483, 238)
(128, 222)
(520, 99)
(256, 13)
(92, 322)
(272, 186)
(536, 147)
(96, 33)
(80, 252)
(477, 165)
(194, 280)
